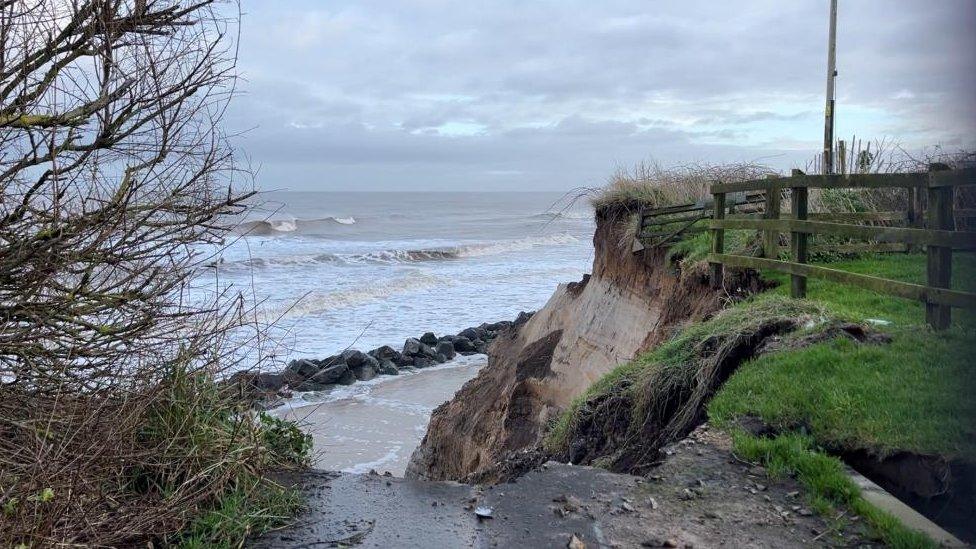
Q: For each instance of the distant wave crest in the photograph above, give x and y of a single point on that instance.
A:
(284, 226)
(409, 256)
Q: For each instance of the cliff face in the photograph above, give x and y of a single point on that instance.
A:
(630, 303)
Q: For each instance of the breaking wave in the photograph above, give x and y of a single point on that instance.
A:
(408, 256)
(284, 226)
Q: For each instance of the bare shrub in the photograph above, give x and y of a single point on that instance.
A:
(116, 184)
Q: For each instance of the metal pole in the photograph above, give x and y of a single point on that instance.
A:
(828, 164)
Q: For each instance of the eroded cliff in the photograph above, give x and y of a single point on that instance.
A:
(631, 302)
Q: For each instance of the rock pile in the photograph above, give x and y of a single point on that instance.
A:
(354, 365)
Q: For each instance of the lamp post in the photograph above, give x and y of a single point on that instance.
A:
(828, 150)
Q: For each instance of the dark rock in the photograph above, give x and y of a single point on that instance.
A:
(309, 385)
(271, 383)
(403, 361)
(450, 338)
(523, 317)
(364, 372)
(428, 339)
(440, 359)
(303, 367)
(498, 326)
(347, 378)
(330, 374)
(411, 347)
(385, 353)
(463, 345)
(473, 333)
(388, 368)
(330, 361)
(354, 358)
(421, 362)
(445, 348)
(480, 346)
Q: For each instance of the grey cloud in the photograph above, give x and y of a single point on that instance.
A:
(566, 89)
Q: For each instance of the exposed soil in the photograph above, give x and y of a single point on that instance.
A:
(631, 303)
(700, 496)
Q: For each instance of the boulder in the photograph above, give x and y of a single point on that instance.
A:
(403, 361)
(309, 385)
(364, 372)
(411, 347)
(480, 346)
(330, 374)
(330, 361)
(440, 358)
(354, 358)
(385, 353)
(463, 345)
(421, 362)
(473, 333)
(445, 348)
(388, 368)
(498, 326)
(271, 383)
(523, 317)
(428, 339)
(450, 338)
(347, 378)
(303, 367)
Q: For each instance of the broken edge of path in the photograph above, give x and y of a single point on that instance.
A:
(700, 496)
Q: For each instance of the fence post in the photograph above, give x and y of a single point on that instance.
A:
(939, 217)
(718, 238)
(771, 237)
(798, 283)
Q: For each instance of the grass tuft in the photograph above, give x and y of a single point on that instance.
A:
(826, 482)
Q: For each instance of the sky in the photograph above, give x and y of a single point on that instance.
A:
(379, 95)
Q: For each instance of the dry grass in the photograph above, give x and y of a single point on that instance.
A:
(650, 185)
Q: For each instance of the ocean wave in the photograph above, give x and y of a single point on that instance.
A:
(562, 215)
(284, 226)
(407, 256)
(320, 302)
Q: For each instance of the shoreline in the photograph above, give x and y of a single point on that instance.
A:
(270, 390)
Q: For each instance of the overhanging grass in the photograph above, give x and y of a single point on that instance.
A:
(674, 363)
(826, 482)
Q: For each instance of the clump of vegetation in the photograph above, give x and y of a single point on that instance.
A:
(117, 182)
(650, 185)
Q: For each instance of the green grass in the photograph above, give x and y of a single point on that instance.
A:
(912, 394)
(254, 507)
(826, 483)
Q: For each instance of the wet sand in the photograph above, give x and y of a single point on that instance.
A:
(377, 424)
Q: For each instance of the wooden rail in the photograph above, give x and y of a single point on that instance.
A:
(939, 235)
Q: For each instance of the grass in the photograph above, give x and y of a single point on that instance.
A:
(826, 483)
(253, 507)
(882, 398)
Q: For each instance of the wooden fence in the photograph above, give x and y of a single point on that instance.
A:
(939, 235)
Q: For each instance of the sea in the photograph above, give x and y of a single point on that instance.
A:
(332, 271)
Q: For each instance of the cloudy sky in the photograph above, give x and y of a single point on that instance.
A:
(525, 95)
